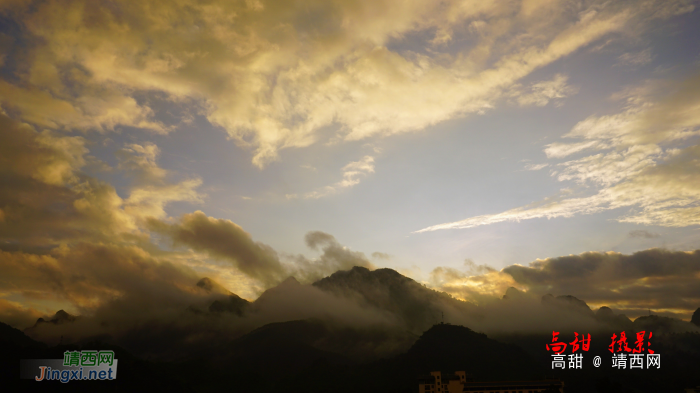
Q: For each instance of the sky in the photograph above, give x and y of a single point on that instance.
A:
(457, 142)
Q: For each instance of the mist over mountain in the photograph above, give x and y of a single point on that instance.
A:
(212, 286)
(416, 306)
(288, 356)
(358, 329)
(58, 318)
(362, 314)
(567, 302)
(305, 356)
(620, 321)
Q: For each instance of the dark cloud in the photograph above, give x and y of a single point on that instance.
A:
(47, 199)
(335, 257)
(88, 275)
(122, 293)
(224, 239)
(561, 292)
(45, 157)
(44, 198)
(655, 278)
(67, 240)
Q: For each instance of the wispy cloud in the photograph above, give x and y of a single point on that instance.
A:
(352, 175)
(542, 93)
(639, 165)
(310, 167)
(535, 167)
(636, 59)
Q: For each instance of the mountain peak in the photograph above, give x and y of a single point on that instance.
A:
(212, 286)
(389, 290)
(362, 274)
(604, 312)
(606, 315)
(60, 317)
(360, 269)
(206, 283)
(513, 293)
(233, 304)
(567, 302)
(290, 281)
(281, 291)
(449, 333)
(454, 347)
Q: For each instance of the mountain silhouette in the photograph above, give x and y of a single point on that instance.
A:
(212, 286)
(696, 317)
(322, 354)
(567, 302)
(417, 306)
(279, 290)
(616, 321)
(134, 374)
(291, 345)
(443, 347)
(451, 347)
(290, 357)
(59, 318)
(231, 302)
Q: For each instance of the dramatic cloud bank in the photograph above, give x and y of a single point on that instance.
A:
(657, 279)
(273, 74)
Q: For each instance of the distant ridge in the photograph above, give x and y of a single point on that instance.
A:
(418, 306)
(58, 318)
(452, 347)
(232, 303)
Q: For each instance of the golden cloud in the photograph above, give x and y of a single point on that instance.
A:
(274, 74)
